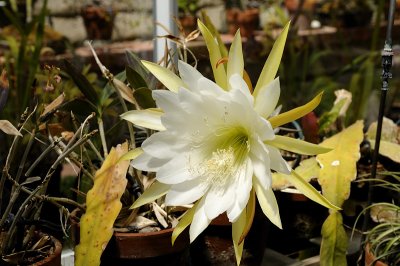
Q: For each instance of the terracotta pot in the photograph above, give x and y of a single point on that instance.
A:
(148, 249)
(370, 258)
(249, 21)
(99, 22)
(189, 23)
(53, 259)
(232, 23)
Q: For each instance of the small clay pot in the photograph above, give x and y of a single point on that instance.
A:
(249, 21)
(189, 23)
(53, 259)
(370, 258)
(99, 22)
(232, 23)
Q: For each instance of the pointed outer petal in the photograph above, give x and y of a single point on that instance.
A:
(235, 61)
(237, 82)
(218, 202)
(130, 155)
(277, 162)
(250, 212)
(238, 228)
(186, 192)
(148, 118)
(155, 191)
(296, 145)
(215, 55)
(189, 75)
(147, 162)
(309, 191)
(267, 98)
(184, 222)
(199, 222)
(208, 87)
(271, 66)
(267, 200)
(165, 76)
(243, 187)
(166, 100)
(295, 113)
(259, 156)
(163, 145)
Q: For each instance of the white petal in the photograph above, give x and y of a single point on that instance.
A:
(264, 129)
(277, 162)
(186, 192)
(189, 75)
(267, 98)
(218, 202)
(242, 192)
(146, 162)
(163, 145)
(199, 222)
(237, 83)
(269, 206)
(207, 87)
(175, 171)
(166, 100)
(259, 155)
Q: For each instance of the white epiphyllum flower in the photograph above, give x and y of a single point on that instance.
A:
(216, 146)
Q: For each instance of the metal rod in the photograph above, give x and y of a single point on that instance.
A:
(387, 55)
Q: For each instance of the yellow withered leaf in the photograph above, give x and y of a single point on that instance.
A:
(103, 205)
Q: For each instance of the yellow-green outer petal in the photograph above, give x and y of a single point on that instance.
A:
(184, 222)
(339, 167)
(250, 212)
(103, 205)
(271, 66)
(235, 61)
(307, 170)
(334, 241)
(296, 145)
(165, 76)
(148, 118)
(268, 203)
(155, 191)
(295, 113)
(237, 231)
(210, 26)
(215, 55)
(309, 191)
(132, 154)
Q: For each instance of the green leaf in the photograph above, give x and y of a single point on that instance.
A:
(103, 206)
(165, 76)
(83, 84)
(295, 113)
(328, 118)
(215, 56)
(148, 118)
(134, 78)
(144, 98)
(334, 241)
(296, 145)
(184, 222)
(155, 191)
(339, 167)
(271, 66)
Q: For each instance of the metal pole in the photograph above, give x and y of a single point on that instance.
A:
(387, 55)
(163, 12)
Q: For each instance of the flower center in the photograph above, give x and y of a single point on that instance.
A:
(224, 154)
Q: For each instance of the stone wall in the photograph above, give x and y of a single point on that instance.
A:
(133, 20)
